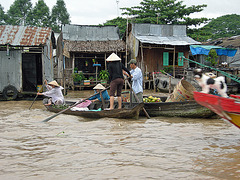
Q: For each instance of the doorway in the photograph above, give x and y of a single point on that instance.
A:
(31, 71)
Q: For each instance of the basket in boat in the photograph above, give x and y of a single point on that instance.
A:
(182, 91)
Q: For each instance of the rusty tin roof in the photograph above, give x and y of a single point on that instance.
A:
(24, 35)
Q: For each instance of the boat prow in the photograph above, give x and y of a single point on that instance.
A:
(226, 108)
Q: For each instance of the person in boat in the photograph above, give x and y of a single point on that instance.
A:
(137, 80)
(54, 91)
(115, 69)
(97, 97)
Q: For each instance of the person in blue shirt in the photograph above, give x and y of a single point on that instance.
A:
(137, 80)
(97, 97)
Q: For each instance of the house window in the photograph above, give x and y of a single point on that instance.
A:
(171, 58)
(180, 61)
(168, 58)
(165, 59)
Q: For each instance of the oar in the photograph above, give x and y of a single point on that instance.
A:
(46, 120)
(144, 110)
(36, 97)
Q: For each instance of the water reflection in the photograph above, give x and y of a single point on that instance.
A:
(70, 147)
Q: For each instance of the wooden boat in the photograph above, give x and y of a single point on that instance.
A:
(187, 109)
(124, 113)
(226, 108)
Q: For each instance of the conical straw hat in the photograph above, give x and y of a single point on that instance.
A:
(99, 86)
(54, 83)
(113, 57)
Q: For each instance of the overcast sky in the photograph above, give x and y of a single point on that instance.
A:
(94, 12)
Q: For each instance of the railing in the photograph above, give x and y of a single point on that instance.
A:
(231, 76)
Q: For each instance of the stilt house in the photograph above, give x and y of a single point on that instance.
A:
(157, 47)
(26, 59)
(228, 42)
(84, 49)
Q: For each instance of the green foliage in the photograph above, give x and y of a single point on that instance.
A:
(103, 75)
(59, 16)
(22, 13)
(167, 69)
(91, 78)
(61, 106)
(78, 77)
(40, 14)
(159, 12)
(212, 56)
(120, 22)
(75, 69)
(201, 35)
(19, 13)
(165, 12)
(224, 26)
(3, 16)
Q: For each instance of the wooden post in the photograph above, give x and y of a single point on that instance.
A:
(105, 61)
(126, 51)
(142, 56)
(73, 64)
(63, 76)
(169, 84)
(154, 85)
(174, 60)
(96, 73)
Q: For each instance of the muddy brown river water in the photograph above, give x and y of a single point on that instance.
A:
(70, 147)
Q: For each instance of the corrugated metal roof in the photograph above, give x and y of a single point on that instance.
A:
(24, 35)
(162, 34)
(228, 42)
(90, 33)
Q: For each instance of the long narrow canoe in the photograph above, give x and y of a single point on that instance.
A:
(186, 109)
(94, 112)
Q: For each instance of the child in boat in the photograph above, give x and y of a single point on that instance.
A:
(54, 92)
(84, 105)
(97, 97)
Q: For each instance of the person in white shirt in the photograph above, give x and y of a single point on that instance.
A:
(54, 92)
(137, 80)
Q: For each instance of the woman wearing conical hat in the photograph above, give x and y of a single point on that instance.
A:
(97, 97)
(115, 69)
(54, 92)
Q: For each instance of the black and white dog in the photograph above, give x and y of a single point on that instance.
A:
(208, 83)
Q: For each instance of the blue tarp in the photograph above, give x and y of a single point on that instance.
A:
(202, 49)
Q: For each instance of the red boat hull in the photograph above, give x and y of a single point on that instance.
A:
(227, 108)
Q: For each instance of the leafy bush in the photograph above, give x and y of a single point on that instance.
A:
(167, 69)
(78, 77)
(103, 75)
(212, 56)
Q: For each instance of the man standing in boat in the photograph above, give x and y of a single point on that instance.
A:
(137, 80)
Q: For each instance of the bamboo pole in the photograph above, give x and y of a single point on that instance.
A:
(174, 60)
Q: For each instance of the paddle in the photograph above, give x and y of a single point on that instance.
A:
(36, 96)
(144, 110)
(46, 120)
